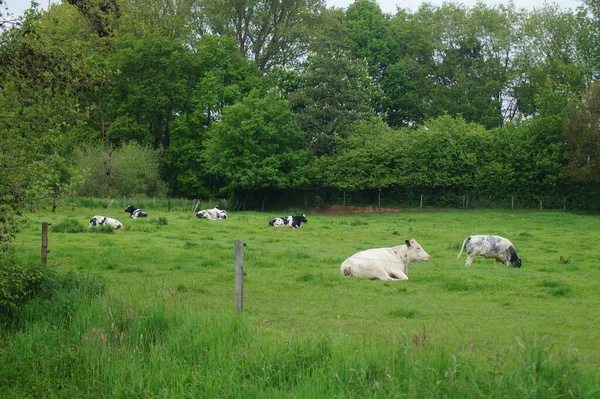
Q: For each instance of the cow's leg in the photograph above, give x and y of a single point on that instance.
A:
(469, 260)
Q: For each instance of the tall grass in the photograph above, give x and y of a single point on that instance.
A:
(161, 321)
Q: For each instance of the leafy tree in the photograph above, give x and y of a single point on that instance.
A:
(546, 54)
(368, 31)
(151, 87)
(370, 158)
(41, 81)
(582, 138)
(125, 171)
(257, 146)
(271, 33)
(334, 89)
(223, 77)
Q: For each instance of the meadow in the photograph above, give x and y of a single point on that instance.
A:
(165, 324)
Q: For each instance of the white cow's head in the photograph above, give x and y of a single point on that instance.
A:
(414, 252)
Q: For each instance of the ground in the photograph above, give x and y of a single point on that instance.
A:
(352, 210)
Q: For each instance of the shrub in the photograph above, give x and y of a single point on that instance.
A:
(17, 286)
(68, 226)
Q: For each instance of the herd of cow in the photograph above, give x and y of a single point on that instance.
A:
(375, 264)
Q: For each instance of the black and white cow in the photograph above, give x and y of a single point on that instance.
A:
(215, 213)
(289, 221)
(104, 221)
(384, 263)
(135, 212)
(498, 248)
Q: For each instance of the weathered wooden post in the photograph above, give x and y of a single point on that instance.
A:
(512, 203)
(540, 205)
(421, 201)
(239, 275)
(44, 243)
(169, 204)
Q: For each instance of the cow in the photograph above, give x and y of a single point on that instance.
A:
(289, 221)
(104, 221)
(135, 212)
(496, 247)
(215, 213)
(384, 263)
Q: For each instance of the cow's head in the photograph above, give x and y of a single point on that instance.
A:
(302, 218)
(130, 209)
(415, 252)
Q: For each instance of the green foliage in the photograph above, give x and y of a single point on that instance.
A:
(105, 229)
(257, 145)
(125, 171)
(68, 225)
(17, 286)
(582, 137)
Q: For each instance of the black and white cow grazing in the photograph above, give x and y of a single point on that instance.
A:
(135, 212)
(384, 263)
(289, 221)
(104, 221)
(212, 214)
(496, 247)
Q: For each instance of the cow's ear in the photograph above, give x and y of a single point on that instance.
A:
(407, 243)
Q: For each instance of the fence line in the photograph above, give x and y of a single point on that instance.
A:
(420, 201)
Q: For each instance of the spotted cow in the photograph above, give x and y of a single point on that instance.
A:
(498, 248)
(289, 221)
(104, 221)
(135, 212)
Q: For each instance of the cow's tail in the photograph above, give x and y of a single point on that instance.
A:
(463, 246)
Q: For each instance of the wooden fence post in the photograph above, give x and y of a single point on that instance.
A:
(540, 205)
(239, 275)
(421, 201)
(44, 243)
(169, 204)
(512, 203)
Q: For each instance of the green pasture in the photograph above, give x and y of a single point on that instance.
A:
(166, 325)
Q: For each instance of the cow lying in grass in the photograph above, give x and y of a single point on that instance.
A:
(289, 221)
(498, 248)
(384, 263)
(104, 221)
(212, 214)
(135, 212)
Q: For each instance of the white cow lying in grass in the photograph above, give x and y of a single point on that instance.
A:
(384, 263)
(212, 214)
(104, 221)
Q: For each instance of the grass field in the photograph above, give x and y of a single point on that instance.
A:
(166, 325)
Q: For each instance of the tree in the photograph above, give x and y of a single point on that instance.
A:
(334, 89)
(370, 158)
(152, 85)
(40, 86)
(223, 77)
(582, 137)
(124, 171)
(546, 53)
(257, 146)
(271, 33)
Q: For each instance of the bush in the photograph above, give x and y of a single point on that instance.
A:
(17, 286)
(68, 226)
(20, 286)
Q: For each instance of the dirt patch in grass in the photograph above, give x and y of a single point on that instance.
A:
(352, 210)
